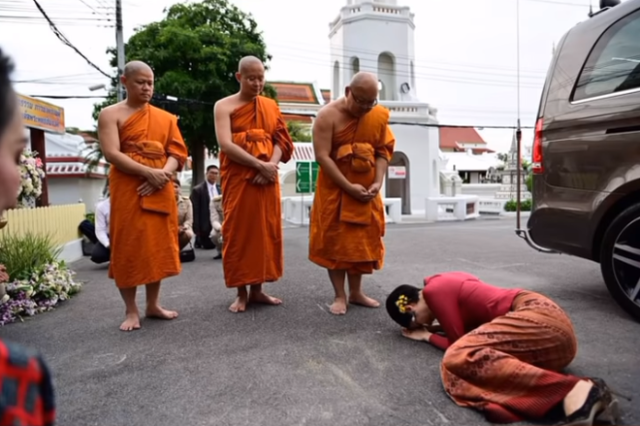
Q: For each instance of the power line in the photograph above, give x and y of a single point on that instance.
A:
(186, 101)
(63, 39)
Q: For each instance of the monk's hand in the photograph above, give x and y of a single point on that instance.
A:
(260, 180)
(146, 189)
(374, 189)
(269, 170)
(359, 192)
(158, 178)
(420, 334)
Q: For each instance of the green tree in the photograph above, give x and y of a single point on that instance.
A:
(194, 53)
(299, 131)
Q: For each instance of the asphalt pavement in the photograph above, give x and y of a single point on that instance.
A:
(296, 364)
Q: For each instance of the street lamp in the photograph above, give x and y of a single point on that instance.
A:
(97, 87)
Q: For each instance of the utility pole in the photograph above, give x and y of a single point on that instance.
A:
(119, 48)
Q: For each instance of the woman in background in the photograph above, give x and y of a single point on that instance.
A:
(19, 365)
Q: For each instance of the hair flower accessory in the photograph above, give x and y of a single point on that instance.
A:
(402, 303)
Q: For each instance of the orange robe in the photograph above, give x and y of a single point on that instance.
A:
(345, 234)
(253, 252)
(143, 231)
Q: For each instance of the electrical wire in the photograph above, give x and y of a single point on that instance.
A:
(64, 40)
(159, 98)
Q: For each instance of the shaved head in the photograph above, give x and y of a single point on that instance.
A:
(249, 62)
(250, 75)
(365, 81)
(362, 94)
(138, 80)
(135, 67)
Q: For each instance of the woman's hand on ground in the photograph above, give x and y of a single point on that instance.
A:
(420, 335)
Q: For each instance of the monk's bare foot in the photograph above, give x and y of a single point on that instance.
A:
(131, 322)
(161, 313)
(338, 307)
(263, 298)
(362, 300)
(240, 305)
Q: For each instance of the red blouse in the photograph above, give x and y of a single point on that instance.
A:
(461, 302)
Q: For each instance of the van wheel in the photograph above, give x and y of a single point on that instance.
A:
(620, 260)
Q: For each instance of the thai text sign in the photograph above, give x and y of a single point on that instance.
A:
(42, 115)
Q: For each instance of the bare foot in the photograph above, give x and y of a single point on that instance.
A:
(263, 298)
(161, 313)
(240, 305)
(131, 322)
(338, 307)
(362, 300)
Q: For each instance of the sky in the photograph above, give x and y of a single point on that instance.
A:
(466, 51)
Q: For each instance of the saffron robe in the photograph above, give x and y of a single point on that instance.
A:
(144, 230)
(253, 251)
(344, 233)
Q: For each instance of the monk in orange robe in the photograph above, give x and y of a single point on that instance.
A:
(144, 146)
(353, 145)
(253, 139)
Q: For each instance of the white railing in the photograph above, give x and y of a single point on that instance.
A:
(459, 208)
(296, 210)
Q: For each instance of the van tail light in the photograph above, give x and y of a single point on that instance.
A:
(536, 160)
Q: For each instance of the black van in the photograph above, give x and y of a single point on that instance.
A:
(586, 151)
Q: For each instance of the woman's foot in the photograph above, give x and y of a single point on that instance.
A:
(586, 402)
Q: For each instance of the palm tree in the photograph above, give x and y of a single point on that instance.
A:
(94, 160)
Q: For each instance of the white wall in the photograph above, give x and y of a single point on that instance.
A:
(367, 34)
(76, 190)
(419, 144)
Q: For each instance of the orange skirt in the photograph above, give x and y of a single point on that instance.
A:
(510, 368)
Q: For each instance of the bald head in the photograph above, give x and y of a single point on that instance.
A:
(250, 75)
(249, 63)
(135, 67)
(362, 94)
(365, 81)
(138, 80)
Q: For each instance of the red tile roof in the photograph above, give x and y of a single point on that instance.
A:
(326, 95)
(454, 138)
(296, 117)
(290, 92)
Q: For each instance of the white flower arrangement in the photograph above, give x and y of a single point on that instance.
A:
(32, 175)
(46, 288)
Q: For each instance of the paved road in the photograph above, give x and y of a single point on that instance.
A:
(296, 364)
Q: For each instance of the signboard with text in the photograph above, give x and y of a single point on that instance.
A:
(397, 172)
(42, 115)
(306, 176)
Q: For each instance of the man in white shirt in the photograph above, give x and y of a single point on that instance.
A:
(102, 250)
(201, 197)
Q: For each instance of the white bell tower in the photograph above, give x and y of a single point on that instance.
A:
(375, 36)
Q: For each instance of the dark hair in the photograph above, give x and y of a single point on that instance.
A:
(7, 95)
(412, 295)
(212, 166)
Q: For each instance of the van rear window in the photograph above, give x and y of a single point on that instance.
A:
(614, 64)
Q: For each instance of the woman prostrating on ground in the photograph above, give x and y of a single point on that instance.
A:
(505, 350)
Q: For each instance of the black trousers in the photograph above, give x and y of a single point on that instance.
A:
(99, 254)
(204, 242)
